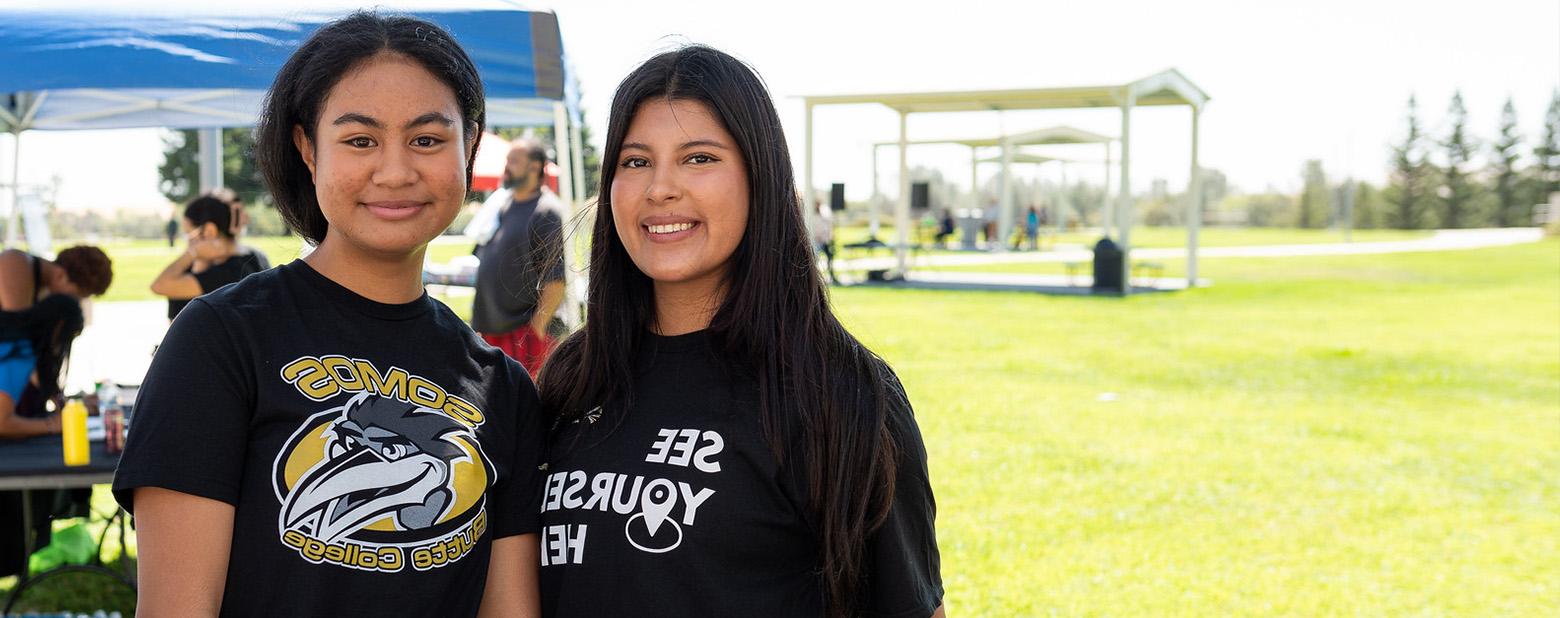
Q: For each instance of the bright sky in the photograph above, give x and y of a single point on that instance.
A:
(1289, 81)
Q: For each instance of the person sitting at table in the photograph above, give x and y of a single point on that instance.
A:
(213, 258)
(40, 315)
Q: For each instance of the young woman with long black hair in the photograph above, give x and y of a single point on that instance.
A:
(722, 446)
(322, 438)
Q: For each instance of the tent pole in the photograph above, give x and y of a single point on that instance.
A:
(1124, 193)
(577, 155)
(1193, 209)
(809, 205)
(209, 143)
(565, 160)
(16, 188)
(902, 213)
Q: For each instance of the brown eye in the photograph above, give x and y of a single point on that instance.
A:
(360, 142)
(634, 162)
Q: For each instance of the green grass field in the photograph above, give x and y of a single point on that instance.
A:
(1317, 436)
(1363, 435)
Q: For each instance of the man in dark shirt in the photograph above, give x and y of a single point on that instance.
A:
(520, 277)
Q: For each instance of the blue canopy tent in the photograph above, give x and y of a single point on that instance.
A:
(110, 68)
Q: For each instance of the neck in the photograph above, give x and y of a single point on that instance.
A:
(526, 191)
(682, 308)
(390, 279)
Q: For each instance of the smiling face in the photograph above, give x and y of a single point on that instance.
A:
(388, 158)
(680, 194)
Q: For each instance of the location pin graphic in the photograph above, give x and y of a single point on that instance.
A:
(656, 512)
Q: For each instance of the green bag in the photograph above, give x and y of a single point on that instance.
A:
(69, 545)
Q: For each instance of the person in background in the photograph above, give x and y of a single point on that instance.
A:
(212, 259)
(1032, 228)
(944, 228)
(172, 229)
(520, 273)
(40, 316)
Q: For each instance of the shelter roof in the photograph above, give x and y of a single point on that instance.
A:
(1168, 87)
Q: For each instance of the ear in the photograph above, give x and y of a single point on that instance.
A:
(305, 147)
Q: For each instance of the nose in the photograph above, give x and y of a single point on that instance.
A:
(395, 168)
(665, 185)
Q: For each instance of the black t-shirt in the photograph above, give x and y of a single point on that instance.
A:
(231, 270)
(372, 451)
(678, 508)
(525, 253)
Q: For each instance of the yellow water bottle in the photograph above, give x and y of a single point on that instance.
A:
(73, 428)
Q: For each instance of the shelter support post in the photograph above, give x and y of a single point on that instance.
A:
(1005, 207)
(1194, 207)
(902, 210)
(209, 142)
(874, 214)
(974, 179)
(1124, 214)
(1107, 208)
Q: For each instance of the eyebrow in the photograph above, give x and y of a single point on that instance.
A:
(428, 118)
(698, 143)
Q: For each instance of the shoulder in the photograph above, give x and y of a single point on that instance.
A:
(13, 259)
(549, 203)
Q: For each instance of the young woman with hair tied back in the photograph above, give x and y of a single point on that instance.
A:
(322, 438)
(722, 446)
(211, 260)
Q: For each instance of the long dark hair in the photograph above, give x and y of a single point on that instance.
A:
(304, 81)
(816, 382)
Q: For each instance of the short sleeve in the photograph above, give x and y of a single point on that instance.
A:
(517, 499)
(190, 424)
(905, 576)
(547, 245)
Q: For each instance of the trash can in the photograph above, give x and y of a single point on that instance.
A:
(1107, 267)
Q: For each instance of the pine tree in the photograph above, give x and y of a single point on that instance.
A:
(1548, 151)
(1504, 158)
(1455, 190)
(1407, 175)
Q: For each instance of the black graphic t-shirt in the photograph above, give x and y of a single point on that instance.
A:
(372, 451)
(678, 508)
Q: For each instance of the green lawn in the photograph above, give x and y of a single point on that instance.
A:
(1360, 435)
(1319, 436)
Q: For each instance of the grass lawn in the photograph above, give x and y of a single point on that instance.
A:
(1315, 436)
(1312, 436)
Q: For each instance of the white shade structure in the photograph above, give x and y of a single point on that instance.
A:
(1165, 88)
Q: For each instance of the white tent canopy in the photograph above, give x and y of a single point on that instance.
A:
(1165, 88)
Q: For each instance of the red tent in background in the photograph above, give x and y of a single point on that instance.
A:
(488, 172)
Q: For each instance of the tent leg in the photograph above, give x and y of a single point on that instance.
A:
(873, 210)
(210, 159)
(1005, 207)
(565, 161)
(809, 202)
(16, 190)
